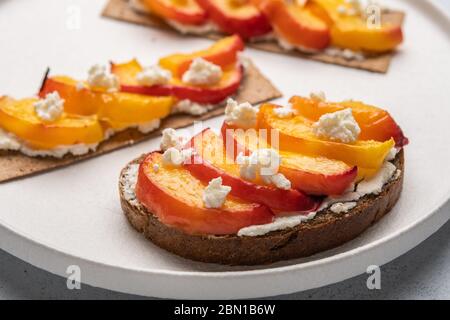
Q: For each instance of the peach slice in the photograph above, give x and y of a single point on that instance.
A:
(174, 195)
(118, 109)
(375, 123)
(211, 161)
(353, 31)
(228, 85)
(296, 135)
(312, 175)
(182, 11)
(295, 24)
(237, 17)
(222, 53)
(18, 117)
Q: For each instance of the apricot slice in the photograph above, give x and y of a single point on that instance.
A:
(352, 31)
(296, 24)
(296, 135)
(212, 161)
(222, 53)
(118, 109)
(182, 11)
(18, 117)
(313, 175)
(228, 85)
(237, 17)
(375, 123)
(174, 195)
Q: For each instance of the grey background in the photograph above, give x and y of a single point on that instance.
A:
(422, 273)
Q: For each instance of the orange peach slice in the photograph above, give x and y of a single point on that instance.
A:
(375, 123)
(296, 24)
(174, 195)
(18, 117)
(222, 53)
(352, 31)
(118, 109)
(182, 11)
(212, 162)
(296, 135)
(313, 175)
(227, 86)
(237, 17)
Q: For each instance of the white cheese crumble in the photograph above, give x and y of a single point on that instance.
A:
(215, 193)
(153, 75)
(100, 77)
(51, 108)
(265, 163)
(175, 157)
(337, 126)
(242, 115)
(155, 168)
(392, 154)
(202, 72)
(342, 207)
(171, 139)
(318, 96)
(285, 112)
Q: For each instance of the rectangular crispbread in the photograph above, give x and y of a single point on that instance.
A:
(255, 89)
(122, 10)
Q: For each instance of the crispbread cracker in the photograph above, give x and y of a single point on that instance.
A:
(255, 89)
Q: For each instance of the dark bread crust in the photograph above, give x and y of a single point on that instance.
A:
(327, 230)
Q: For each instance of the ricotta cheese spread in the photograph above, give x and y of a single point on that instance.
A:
(100, 77)
(51, 108)
(193, 108)
(207, 27)
(242, 115)
(171, 139)
(12, 143)
(337, 126)
(202, 72)
(347, 54)
(147, 127)
(215, 193)
(153, 75)
(129, 187)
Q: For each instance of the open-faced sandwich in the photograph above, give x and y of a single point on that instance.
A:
(121, 104)
(347, 32)
(277, 183)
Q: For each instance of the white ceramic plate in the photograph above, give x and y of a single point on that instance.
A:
(72, 216)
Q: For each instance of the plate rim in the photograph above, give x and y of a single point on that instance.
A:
(21, 237)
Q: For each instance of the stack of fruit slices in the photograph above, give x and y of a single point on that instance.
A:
(75, 116)
(309, 168)
(306, 25)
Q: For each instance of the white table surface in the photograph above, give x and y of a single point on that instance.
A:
(422, 273)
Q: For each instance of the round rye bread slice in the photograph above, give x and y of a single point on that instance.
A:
(327, 230)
